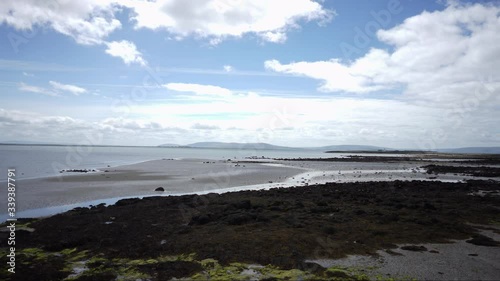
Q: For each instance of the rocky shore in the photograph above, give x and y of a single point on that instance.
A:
(249, 235)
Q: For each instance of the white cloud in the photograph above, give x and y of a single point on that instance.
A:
(198, 126)
(125, 50)
(335, 75)
(274, 37)
(56, 89)
(218, 19)
(38, 90)
(228, 68)
(122, 124)
(390, 123)
(67, 88)
(442, 56)
(28, 74)
(261, 118)
(199, 89)
(88, 22)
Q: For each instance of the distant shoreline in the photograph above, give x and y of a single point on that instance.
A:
(268, 147)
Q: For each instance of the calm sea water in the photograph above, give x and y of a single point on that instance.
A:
(31, 161)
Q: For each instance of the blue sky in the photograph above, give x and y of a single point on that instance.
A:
(403, 74)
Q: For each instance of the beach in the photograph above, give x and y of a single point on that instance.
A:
(201, 176)
(258, 218)
(175, 176)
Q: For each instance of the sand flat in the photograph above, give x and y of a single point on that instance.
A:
(182, 176)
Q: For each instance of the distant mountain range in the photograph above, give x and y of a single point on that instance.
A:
(266, 146)
(232, 145)
(352, 148)
(333, 148)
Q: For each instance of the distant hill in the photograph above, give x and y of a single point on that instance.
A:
(337, 148)
(352, 148)
(170, 145)
(260, 145)
(237, 145)
(480, 150)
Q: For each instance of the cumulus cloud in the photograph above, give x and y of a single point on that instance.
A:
(125, 50)
(228, 68)
(199, 89)
(88, 22)
(218, 19)
(274, 37)
(264, 118)
(335, 75)
(123, 124)
(22, 125)
(435, 56)
(75, 90)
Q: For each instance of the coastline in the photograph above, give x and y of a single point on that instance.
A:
(276, 233)
(177, 177)
(262, 218)
(51, 195)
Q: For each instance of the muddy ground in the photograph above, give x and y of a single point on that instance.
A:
(278, 227)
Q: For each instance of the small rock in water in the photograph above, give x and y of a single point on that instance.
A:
(160, 189)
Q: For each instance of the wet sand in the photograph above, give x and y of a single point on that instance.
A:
(201, 176)
(175, 176)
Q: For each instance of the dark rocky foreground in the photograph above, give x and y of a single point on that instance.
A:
(213, 236)
(475, 171)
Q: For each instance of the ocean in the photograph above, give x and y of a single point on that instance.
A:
(36, 161)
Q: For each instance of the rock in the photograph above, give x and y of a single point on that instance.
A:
(238, 219)
(244, 204)
(328, 230)
(414, 248)
(125, 202)
(482, 240)
(160, 189)
(200, 220)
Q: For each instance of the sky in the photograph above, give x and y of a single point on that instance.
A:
(391, 73)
